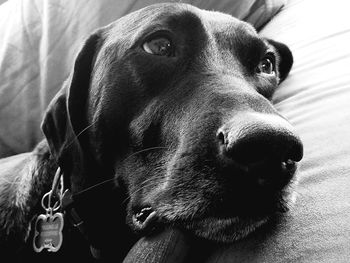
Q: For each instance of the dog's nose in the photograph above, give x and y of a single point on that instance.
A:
(260, 143)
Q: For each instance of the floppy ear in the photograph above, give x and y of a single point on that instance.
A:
(64, 121)
(285, 60)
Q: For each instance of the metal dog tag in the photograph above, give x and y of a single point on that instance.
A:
(48, 232)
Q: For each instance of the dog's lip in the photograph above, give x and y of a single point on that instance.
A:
(228, 220)
(223, 211)
(144, 218)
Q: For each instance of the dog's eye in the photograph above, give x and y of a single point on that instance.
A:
(266, 65)
(160, 46)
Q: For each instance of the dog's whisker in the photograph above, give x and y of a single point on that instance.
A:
(145, 150)
(79, 134)
(148, 183)
(95, 185)
(141, 188)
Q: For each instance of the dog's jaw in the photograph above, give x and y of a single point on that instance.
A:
(195, 216)
(231, 229)
(217, 229)
(201, 201)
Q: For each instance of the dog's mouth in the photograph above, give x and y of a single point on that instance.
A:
(225, 215)
(217, 225)
(215, 228)
(144, 218)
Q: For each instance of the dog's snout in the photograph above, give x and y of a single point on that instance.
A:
(263, 144)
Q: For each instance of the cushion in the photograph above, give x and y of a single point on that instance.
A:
(40, 40)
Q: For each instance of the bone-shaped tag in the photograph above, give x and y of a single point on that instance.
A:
(48, 232)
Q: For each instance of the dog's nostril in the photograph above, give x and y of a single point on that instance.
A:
(291, 152)
(296, 152)
(220, 136)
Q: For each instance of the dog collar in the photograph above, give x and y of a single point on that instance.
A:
(48, 227)
(60, 204)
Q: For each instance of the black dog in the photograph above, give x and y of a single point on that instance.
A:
(165, 120)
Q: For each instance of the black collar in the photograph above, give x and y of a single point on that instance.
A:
(99, 213)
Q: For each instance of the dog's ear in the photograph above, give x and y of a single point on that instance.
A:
(285, 60)
(65, 119)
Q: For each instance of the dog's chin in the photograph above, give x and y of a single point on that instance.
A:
(225, 230)
(217, 229)
(230, 228)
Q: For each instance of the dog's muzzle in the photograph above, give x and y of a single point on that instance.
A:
(255, 159)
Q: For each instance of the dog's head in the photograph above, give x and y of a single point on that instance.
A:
(173, 101)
